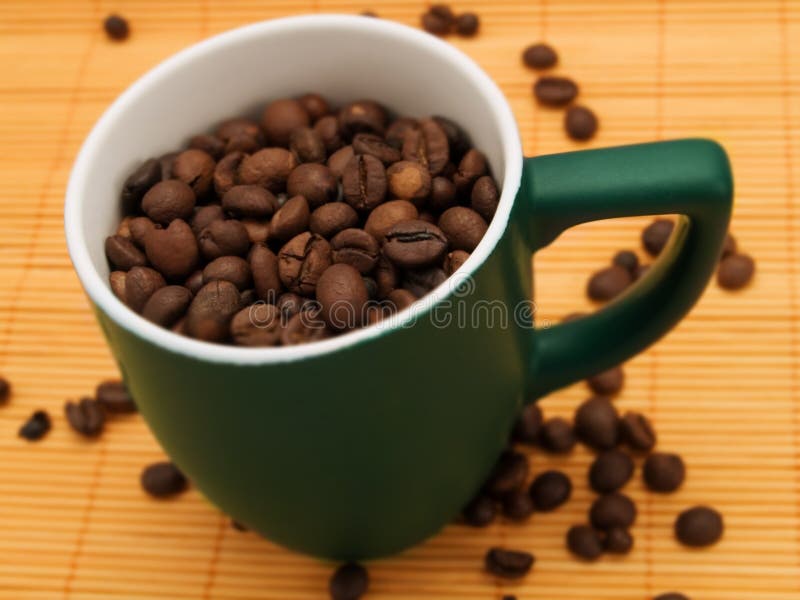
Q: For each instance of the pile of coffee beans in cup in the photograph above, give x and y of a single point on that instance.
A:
(303, 225)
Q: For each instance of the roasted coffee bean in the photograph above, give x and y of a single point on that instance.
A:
(307, 146)
(166, 161)
(612, 510)
(508, 475)
(369, 143)
(301, 262)
(302, 329)
(539, 56)
(608, 283)
(421, 281)
(608, 382)
(480, 512)
(239, 127)
(597, 423)
(663, 472)
(229, 268)
(580, 123)
(251, 201)
(656, 235)
(167, 305)
(114, 397)
(281, 117)
(314, 182)
(226, 173)
(140, 228)
(471, 167)
(85, 416)
(550, 490)
(454, 260)
(364, 182)
(428, 146)
(357, 248)
(485, 197)
(196, 169)
(414, 244)
(290, 304)
(610, 471)
(269, 168)
(205, 215)
(699, 526)
(557, 436)
(194, 282)
(291, 219)
(349, 582)
(327, 128)
(257, 231)
(467, 24)
(518, 506)
(671, 596)
(163, 479)
(385, 275)
(365, 116)
(117, 281)
(528, 425)
(584, 542)
(329, 219)
(735, 271)
(338, 161)
(398, 130)
(618, 541)
(169, 200)
(636, 431)
(401, 299)
(463, 227)
(173, 251)
(385, 216)
(136, 185)
(5, 390)
(442, 194)
(509, 564)
(315, 105)
(223, 238)
(457, 138)
(36, 427)
(342, 296)
(435, 23)
(628, 260)
(116, 27)
(555, 91)
(243, 143)
(210, 144)
(124, 229)
(140, 284)
(257, 325)
(211, 311)
(123, 254)
(409, 180)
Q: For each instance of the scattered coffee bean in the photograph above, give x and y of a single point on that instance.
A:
(735, 271)
(349, 582)
(36, 427)
(163, 479)
(671, 596)
(699, 526)
(539, 56)
(508, 475)
(557, 436)
(618, 541)
(597, 423)
(636, 431)
(580, 123)
(656, 235)
(518, 505)
(116, 27)
(608, 382)
(555, 91)
(584, 542)
(509, 564)
(5, 390)
(550, 490)
(628, 260)
(114, 397)
(528, 426)
(612, 510)
(480, 512)
(467, 24)
(663, 472)
(608, 283)
(85, 416)
(610, 471)
(435, 23)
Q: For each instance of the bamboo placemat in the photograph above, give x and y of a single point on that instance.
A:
(723, 387)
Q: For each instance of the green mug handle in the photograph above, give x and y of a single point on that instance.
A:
(691, 178)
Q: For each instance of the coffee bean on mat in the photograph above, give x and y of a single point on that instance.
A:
(116, 27)
(612, 510)
(608, 283)
(671, 596)
(597, 423)
(610, 471)
(608, 382)
(539, 56)
(663, 472)
(163, 479)
(85, 416)
(36, 427)
(5, 390)
(557, 436)
(699, 526)
(626, 259)
(436, 23)
(580, 123)
(508, 475)
(735, 271)
(509, 564)
(114, 397)
(555, 91)
(528, 425)
(550, 490)
(467, 24)
(637, 432)
(584, 542)
(618, 541)
(349, 582)
(480, 512)
(656, 235)
(518, 505)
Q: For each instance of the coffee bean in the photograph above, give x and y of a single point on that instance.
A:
(173, 251)
(117, 281)
(457, 138)
(610, 471)
(342, 296)
(557, 436)
(550, 490)
(618, 541)
(123, 254)
(302, 260)
(169, 200)
(656, 235)
(5, 390)
(385, 216)
(628, 260)
(194, 282)
(257, 325)
(116, 27)
(315, 105)
(421, 281)
(166, 161)
(401, 299)
(269, 168)
(608, 382)
(257, 231)
(140, 284)
(608, 283)
(314, 182)
(463, 227)
(485, 197)
(467, 24)
(281, 117)
(409, 180)
(338, 161)
(302, 329)
(636, 431)
(584, 542)
(243, 143)
(671, 596)
(307, 146)
(442, 195)
(508, 475)
(415, 243)
(349, 582)
(355, 247)
(699, 526)
(364, 182)
(375, 145)
(327, 128)
(229, 268)
(398, 130)
(226, 173)
(329, 219)
(223, 238)
(612, 510)
(518, 506)
(735, 271)
(204, 216)
(291, 219)
(195, 168)
(163, 479)
(580, 123)
(528, 425)
(555, 91)
(480, 512)
(211, 311)
(428, 146)
(663, 472)
(114, 397)
(167, 305)
(137, 183)
(251, 201)
(290, 304)
(471, 167)
(385, 275)
(210, 144)
(597, 423)
(85, 416)
(539, 56)
(435, 24)
(509, 564)
(362, 116)
(36, 427)
(238, 127)
(454, 260)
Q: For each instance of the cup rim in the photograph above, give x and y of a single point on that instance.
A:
(100, 292)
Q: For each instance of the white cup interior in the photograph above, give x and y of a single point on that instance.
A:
(342, 57)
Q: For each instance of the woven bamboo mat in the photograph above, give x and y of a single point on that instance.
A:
(723, 387)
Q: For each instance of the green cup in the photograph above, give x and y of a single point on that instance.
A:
(362, 445)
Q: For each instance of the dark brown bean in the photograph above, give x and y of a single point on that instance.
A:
(508, 475)
(401, 298)
(454, 260)
(211, 311)
(338, 161)
(210, 144)
(584, 542)
(116, 280)
(735, 271)
(428, 146)
(398, 130)
(264, 268)
(467, 24)
(36, 427)
(385, 216)
(415, 243)
(226, 173)
(195, 168)
(443, 194)
(610, 471)
(257, 231)
(663, 472)
(349, 582)
(291, 219)
(250, 201)
(307, 146)
(480, 512)
(5, 390)
(269, 168)
(302, 329)
(257, 325)
(528, 425)
(140, 284)
(557, 436)
(116, 28)
(314, 182)
(123, 254)
(169, 200)
(364, 182)
(608, 382)
(167, 305)
(539, 56)
(329, 219)
(612, 510)
(362, 116)
(409, 180)
(421, 281)
(315, 105)
(302, 261)
(671, 596)
(342, 296)
(327, 128)
(699, 526)
(518, 506)
(471, 167)
(85, 416)
(435, 24)
(114, 397)
(463, 227)
(163, 479)
(608, 283)
(355, 247)
(223, 238)
(580, 123)
(597, 423)
(729, 246)
(636, 431)
(485, 197)
(555, 91)
(138, 183)
(281, 117)
(229, 268)
(237, 127)
(457, 138)
(386, 276)
(656, 235)
(618, 541)
(204, 216)
(377, 146)
(628, 260)
(173, 251)
(550, 490)
(509, 564)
